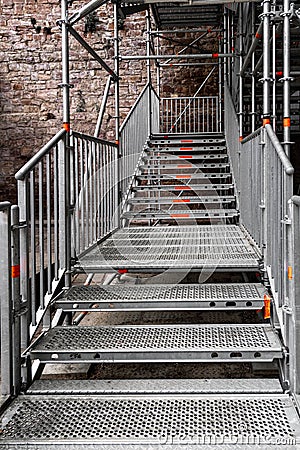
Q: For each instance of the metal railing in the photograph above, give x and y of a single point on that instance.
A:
(41, 198)
(189, 114)
(142, 119)
(12, 309)
(94, 190)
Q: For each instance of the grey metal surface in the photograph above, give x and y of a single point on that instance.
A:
(158, 343)
(175, 158)
(144, 421)
(192, 149)
(183, 254)
(154, 386)
(184, 187)
(182, 199)
(180, 176)
(181, 214)
(155, 297)
(184, 165)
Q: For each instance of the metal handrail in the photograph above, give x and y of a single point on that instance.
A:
(24, 171)
(296, 200)
(251, 135)
(4, 206)
(93, 139)
(289, 169)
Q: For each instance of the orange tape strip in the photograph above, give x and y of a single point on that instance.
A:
(182, 188)
(67, 127)
(267, 306)
(258, 36)
(287, 122)
(290, 272)
(179, 200)
(241, 138)
(185, 156)
(180, 215)
(186, 140)
(185, 148)
(215, 55)
(15, 271)
(266, 121)
(183, 176)
(184, 166)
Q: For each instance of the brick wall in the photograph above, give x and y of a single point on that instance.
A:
(31, 102)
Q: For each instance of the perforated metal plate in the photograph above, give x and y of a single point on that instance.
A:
(146, 343)
(183, 199)
(188, 254)
(155, 297)
(161, 422)
(185, 165)
(181, 176)
(184, 187)
(181, 214)
(157, 386)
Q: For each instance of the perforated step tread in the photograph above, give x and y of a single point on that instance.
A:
(158, 386)
(186, 149)
(176, 158)
(181, 176)
(135, 422)
(155, 297)
(181, 214)
(158, 343)
(189, 253)
(184, 165)
(182, 199)
(184, 187)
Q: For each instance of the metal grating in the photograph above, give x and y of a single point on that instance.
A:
(158, 343)
(189, 253)
(183, 199)
(158, 386)
(162, 422)
(194, 296)
(181, 214)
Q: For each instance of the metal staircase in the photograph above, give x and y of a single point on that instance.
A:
(192, 337)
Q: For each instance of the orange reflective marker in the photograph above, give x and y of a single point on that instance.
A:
(267, 306)
(290, 272)
(180, 215)
(15, 271)
(287, 122)
(180, 200)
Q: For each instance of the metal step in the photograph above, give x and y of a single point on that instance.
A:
(163, 297)
(186, 149)
(147, 422)
(184, 199)
(182, 176)
(165, 157)
(184, 165)
(156, 386)
(190, 253)
(188, 141)
(181, 214)
(158, 343)
(183, 187)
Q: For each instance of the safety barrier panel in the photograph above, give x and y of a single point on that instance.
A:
(189, 115)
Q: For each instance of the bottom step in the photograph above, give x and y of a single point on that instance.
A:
(147, 422)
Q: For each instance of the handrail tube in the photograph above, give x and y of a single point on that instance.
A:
(4, 206)
(93, 53)
(93, 138)
(296, 200)
(85, 10)
(134, 107)
(289, 169)
(251, 135)
(24, 171)
(190, 56)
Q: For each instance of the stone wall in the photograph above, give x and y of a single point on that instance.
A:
(31, 102)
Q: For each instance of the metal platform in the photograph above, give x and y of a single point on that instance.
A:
(178, 248)
(165, 157)
(158, 343)
(181, 214)
(184, 166)
(163, 297)
(165, 422)
(189, 141)
(157, 386)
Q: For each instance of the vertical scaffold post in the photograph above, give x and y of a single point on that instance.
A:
(253, 81)
(240, 67)
(158, 63)
(148, 47)
(274, 69)
(16, 298)
(266, 61)
(117, 108)
(6, 300)
(65, 221)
